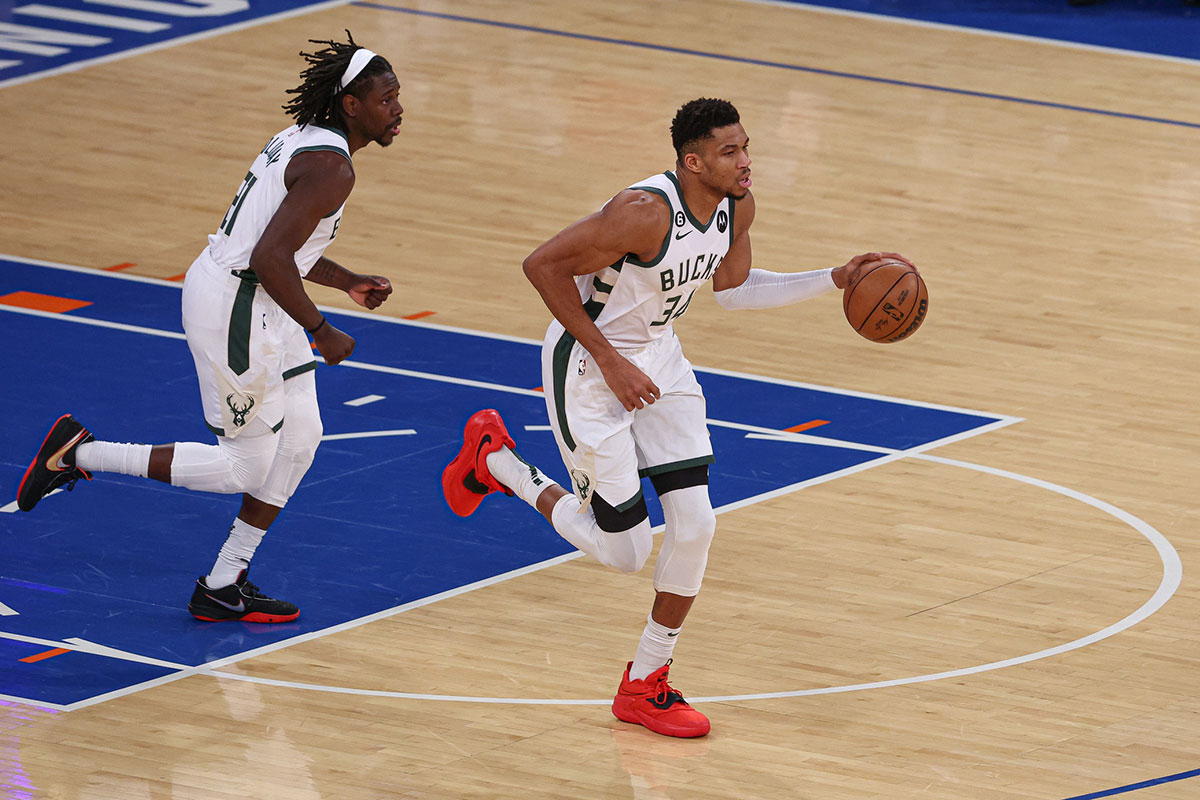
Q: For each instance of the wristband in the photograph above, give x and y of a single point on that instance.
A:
(311, 331)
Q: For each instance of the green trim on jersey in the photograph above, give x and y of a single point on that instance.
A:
(631, 258)
(221, 431)
(319, 147)
(338, 131)
(601, 285)
(300, 370)
(683, 202)
(732, 204)
(674, 466)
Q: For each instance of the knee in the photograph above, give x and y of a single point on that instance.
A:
(625, 531)
(299, 441)
(630, 549)
(249, 471)
(695, 527)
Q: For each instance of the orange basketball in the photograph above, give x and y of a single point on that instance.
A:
(887, 303)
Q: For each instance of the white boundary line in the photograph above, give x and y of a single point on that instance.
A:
(1169, 584)
(75, 66)
(1172, 576)
(920, 23)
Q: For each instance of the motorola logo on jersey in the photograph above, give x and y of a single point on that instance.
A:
(722, 220)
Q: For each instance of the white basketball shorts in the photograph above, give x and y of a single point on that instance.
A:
(606, 448)
(244, 345)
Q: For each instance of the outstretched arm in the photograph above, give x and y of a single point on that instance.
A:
(737, 285)
(632, 222)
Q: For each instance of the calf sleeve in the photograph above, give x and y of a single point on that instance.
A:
(691, 524)
(298, 441)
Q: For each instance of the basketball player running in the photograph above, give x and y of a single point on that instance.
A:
(622, 400)
(245, 314)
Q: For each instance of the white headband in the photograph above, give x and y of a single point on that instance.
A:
(357, 61)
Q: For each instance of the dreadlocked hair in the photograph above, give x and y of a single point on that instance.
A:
(318, 99)
(696, 120)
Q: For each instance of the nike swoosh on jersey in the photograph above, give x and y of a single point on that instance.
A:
(681, 235)
(241, 604)
(55, 463)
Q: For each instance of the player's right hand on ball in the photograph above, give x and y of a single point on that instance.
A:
(631, 386)
(848, 273)
(334, 346)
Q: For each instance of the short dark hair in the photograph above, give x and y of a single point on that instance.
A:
(319, 99)
(695, 121)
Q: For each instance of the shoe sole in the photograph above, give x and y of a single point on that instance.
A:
(256, 616)
(461, 500)
(655, 725)
(29, 506)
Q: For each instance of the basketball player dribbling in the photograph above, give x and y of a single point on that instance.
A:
(245, 314)
(622, 399)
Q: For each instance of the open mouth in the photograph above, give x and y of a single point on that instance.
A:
(745, 181)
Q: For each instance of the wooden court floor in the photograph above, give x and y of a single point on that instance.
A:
(1060, 246)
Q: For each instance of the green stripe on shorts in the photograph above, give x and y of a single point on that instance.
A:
(674, 466)
(562, 354)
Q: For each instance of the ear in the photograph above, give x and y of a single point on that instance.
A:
(692, 162)
(350, 105)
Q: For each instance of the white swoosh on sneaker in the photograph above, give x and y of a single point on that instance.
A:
(55, 462)
(241, 605)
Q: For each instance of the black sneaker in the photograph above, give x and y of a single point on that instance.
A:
(54, 464)
(239, 600)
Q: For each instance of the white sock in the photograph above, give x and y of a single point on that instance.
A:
(525, 480)
(654, 650)
(127, 459)
(235, 554)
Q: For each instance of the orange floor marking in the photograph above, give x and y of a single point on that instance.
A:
(42, 302)
(538, 389)
(58, 651)
(421, 314)
(178, 277)
(814, 423)
(119, 267)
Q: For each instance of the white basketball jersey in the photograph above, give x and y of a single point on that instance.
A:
(634, 302)
(263, 190)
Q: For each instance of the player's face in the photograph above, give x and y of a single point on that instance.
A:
(381, 109)
(727, 160)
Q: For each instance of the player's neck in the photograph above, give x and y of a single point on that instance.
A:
(701, 199)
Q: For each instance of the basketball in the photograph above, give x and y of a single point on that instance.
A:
(887, 303)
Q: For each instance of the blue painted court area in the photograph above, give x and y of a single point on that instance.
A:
(113, 562)
(1162, 27)
(53, 35)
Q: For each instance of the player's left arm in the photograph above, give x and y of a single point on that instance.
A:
(737, 285)
(369, 291)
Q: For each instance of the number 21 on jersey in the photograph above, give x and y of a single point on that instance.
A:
(231, 215)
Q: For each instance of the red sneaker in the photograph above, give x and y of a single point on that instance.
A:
(653, 703)
(466, 480)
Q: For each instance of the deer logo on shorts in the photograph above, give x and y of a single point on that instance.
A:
(584, 482)
(239, 413)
